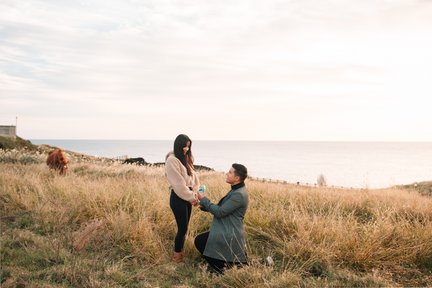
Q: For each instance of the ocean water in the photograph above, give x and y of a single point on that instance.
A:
(346, 164)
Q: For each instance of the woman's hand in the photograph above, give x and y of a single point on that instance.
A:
(195, 202)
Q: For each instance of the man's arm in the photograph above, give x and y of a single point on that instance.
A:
(220, 211)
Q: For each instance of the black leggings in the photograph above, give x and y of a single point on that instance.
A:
(217, 265)
(182, 210)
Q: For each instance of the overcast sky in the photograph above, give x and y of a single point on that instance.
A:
(322, 70)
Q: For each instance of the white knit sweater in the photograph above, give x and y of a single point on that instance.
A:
(179, 180)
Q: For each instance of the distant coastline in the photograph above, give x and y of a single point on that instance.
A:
(343, 164)
(25, 148)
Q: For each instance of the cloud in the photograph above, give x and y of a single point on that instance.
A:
(128, 61)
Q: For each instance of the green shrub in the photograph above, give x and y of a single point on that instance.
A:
(7, 143)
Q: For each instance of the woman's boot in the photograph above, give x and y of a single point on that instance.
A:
(178, 257)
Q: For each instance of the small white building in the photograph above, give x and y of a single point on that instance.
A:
(8, 131)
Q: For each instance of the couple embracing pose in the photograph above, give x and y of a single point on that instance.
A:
(224, 245)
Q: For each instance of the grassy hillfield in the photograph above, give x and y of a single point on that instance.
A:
(106, 224)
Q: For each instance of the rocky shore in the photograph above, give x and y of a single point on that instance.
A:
(25, 152)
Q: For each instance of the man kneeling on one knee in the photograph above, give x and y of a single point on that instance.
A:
(225, 245)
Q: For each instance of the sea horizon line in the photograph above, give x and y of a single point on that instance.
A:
(240, 140)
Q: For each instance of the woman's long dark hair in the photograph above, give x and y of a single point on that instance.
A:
(187, 160)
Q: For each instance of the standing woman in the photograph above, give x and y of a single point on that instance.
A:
(184, 185)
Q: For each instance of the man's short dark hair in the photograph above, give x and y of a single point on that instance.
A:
(240, 170)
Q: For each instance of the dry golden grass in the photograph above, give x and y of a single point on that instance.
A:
(109, 225)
